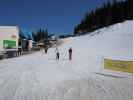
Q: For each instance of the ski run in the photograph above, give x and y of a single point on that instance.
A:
(40, 76)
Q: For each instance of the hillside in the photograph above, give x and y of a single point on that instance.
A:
(39, 76)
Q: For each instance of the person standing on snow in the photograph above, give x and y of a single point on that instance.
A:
(70, 53)
(57, 54)
(46, 49)
(19, 51)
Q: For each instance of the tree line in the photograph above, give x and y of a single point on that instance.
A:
(40, 35)
(108, 14)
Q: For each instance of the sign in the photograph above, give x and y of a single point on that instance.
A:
(118, 65)
(9, 43)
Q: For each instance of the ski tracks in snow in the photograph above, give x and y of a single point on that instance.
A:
(41, 77)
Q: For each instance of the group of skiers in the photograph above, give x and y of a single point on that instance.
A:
(58, 54)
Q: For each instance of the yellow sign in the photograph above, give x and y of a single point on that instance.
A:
(118, 65)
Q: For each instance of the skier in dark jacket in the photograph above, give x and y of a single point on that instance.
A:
(19, 51)
(70, 54)
(46, 50)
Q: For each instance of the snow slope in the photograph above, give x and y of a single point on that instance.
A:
(40, 77)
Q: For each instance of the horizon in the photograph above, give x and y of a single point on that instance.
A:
(58, 17)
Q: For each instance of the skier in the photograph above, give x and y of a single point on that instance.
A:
(46, 49)
(57, 54)
(70, 53)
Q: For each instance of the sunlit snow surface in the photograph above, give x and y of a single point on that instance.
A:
(39, 76)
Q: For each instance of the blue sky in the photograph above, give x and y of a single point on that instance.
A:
(58, 16)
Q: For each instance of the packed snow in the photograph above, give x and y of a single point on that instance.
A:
(40, 76)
